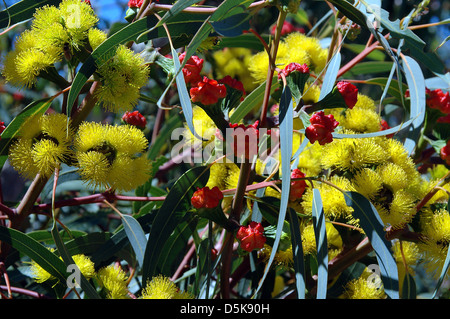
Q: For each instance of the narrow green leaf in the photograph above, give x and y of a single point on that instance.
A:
(175, 245)
(409, 290)
(372, 67)
(229, 8)
(37, 252)
(232, 26)
(416, 85)
(136, 236)
(286, 127)
(185, 98)
(373, 227)
(350, 11)
(172, 211)
(443, 273)
(320, 233)
(22, 10)
(329, 79)
(297, 250)
(11, 131)
(177, 8)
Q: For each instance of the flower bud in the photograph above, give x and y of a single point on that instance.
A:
(207, 198)
(208, 92)
(2, 127)
(135, 118)
(349, 92)
(251, 237)
(297, 187)
(436, 99)
(321, 128)
(294, 67)
(192, 69)
(445, 153)
(233, 84)
(135, 3)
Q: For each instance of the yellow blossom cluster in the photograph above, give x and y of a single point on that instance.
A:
(112, 281)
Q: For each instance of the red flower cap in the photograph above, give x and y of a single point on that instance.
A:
(445, 153)
(385, 126)
(444, 119)
(349, 92)
(287, 28)
(135, 3)
(251, 237)
(206, 198)
(233, 83)
(297, 187)
(2, 127)
(321, 128)
(292, 67)
(192, 69)
(208, 92)
(245, 140)
(135, 118)
(436, 99)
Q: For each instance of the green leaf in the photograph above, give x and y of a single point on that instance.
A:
(347, 9)
(409, 287)
(320, 233)
(176, 9)
(22, 10)
(136, 236)
(171, 213)
(286, 127)
(372, 67)
(297, 250)
(373, 227)
(185, 98)
(416, 85)
(232, 26)
(249, 41)
(175, 245)
(411, 41)
(393, 87)
(10, 133)
(37, 252)
(329, 79)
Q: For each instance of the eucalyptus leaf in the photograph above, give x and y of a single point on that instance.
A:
(373, 227)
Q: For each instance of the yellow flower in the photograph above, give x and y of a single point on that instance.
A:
(78, 17)
(112, 156)
(161, 287)
(83, 262)
(333, 200)
(334, 240)
(121, 79)
(298, 42)
(353, 153)
(259, 63)
(114, 281)
(96, 37)
(436, 231)
(235, 63)
(204, 127)
(363, 288)
(42, 145)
